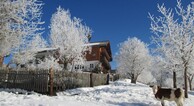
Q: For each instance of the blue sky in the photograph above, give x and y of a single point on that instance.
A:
(113, 20)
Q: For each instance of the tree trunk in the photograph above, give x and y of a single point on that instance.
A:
(174, 79)
(161, 80)
(65, 65)
(185, 80)
(133, 79)
(1, 61)
(190, 79)
(190, 84)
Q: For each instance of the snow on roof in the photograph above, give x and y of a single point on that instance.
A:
(37, 50)
(96, 44)
(91, 44)
(44, 49)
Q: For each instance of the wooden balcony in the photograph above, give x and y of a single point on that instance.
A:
(105, 53)
(105, 63)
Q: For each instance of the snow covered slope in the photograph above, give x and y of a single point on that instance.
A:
(119, 93)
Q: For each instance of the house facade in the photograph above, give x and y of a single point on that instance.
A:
(98, 59)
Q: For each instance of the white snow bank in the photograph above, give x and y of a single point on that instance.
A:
(119, 93)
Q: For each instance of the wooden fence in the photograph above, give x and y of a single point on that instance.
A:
(114, 77)
(49, 81)
(68, 80)
(28, 80)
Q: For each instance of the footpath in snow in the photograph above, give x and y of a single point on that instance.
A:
(119, 93)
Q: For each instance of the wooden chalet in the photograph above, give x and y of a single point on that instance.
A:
(99, 56)
(101, 53)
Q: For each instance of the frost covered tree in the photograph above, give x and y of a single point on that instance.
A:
(146, 77)
(69, 35)
(48, 63)
(18, 19)
(133, 58)
(174, 36)
(167, 60)
(160, 71)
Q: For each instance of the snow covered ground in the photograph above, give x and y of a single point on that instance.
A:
(119, 93)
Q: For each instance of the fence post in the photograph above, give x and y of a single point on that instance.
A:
(91, 81)
(14, 78)
(107, 78)
(51, 75)
(6, 78)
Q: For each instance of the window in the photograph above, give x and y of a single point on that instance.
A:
(91, 65)
(77, 67)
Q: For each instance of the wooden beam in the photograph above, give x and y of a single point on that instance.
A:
(1, 61)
